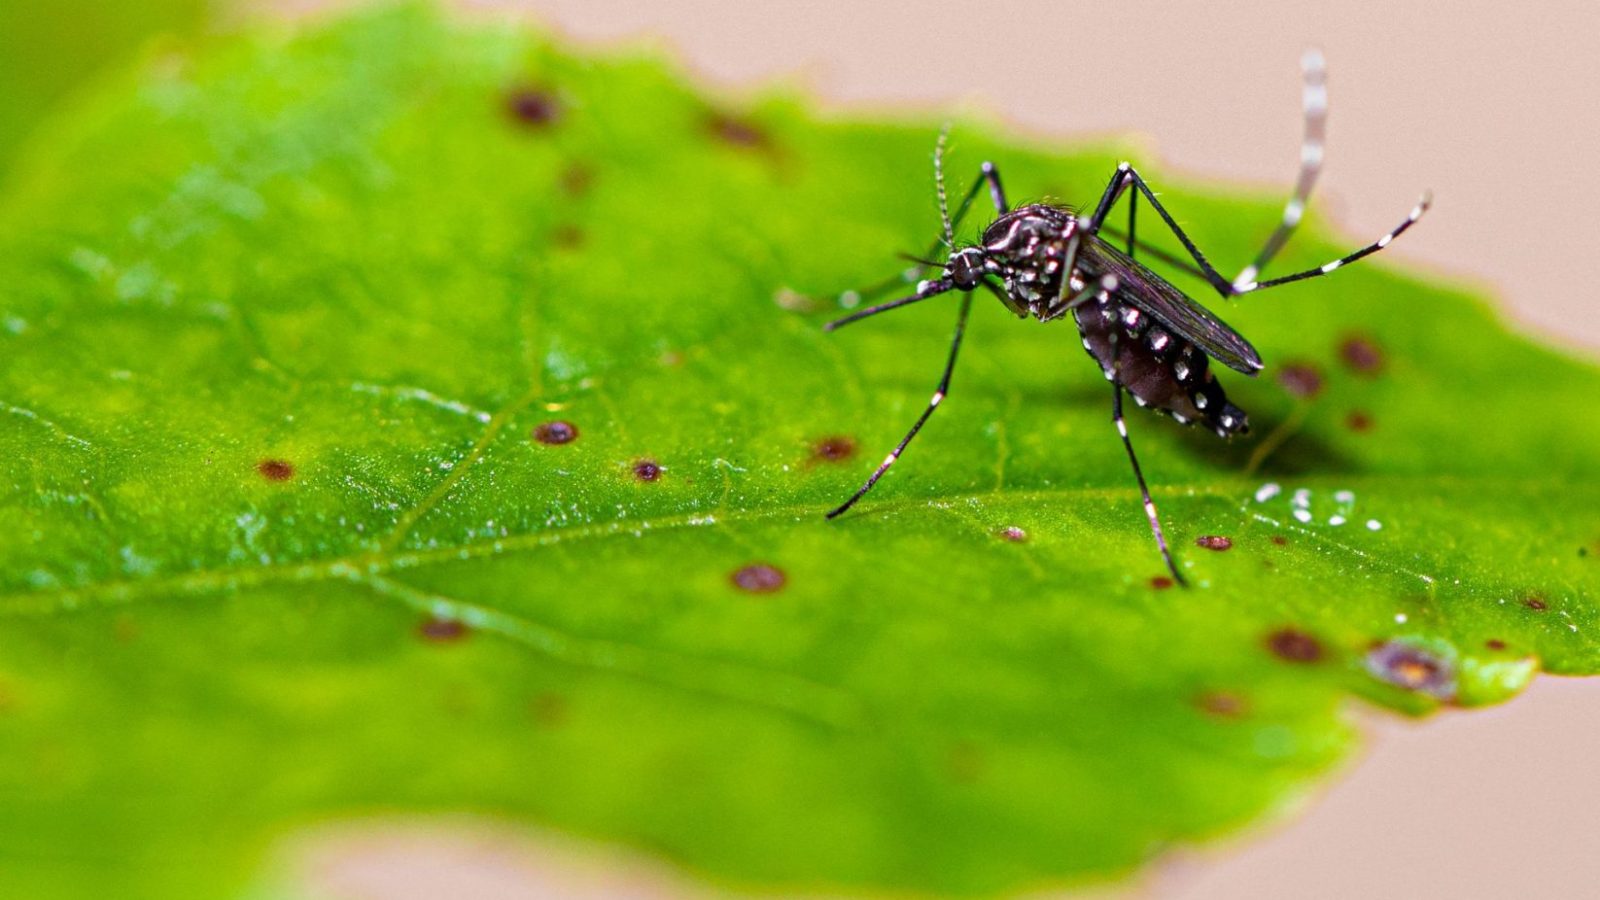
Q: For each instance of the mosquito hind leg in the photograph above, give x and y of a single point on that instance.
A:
(1144, 490)
(933, 404)
(1314, 104)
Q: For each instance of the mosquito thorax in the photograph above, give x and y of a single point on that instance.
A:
(1028, 248)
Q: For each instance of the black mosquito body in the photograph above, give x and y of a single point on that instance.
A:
(1046, 262)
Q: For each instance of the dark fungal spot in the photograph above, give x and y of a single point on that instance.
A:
(834, 448)
(1280, 540)
(557, 432)
(1495, 644)
(965, 762)
(1013, 534)
(1213, 542)
(533, 107)
(1412, 668)
(1300, 380)
(737, 131)
(576, 180)
(567, 236)
(1161, 583)
(275, 469)
(438, 630)
(1536, 604)
(646, 470)
(1294, 646)
(1360, 354)
(1359, 421)
(1222, 704)
(759, 578)
(548, 709)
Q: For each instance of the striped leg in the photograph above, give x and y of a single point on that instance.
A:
(1144, 490)
(1314, 102)
(1368, 250)
(933, 404)
(1127, 176)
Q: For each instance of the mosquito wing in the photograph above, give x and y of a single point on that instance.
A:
(1166, 304)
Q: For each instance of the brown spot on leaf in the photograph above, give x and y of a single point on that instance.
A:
(834, 448)
(1300, 380)
(1222, 704)
(125, 629)
(548, 709)
(1412, 668)
(1361, 354)
(440, 630)
(1161, 582)
(1280, 540)
(576, 180)
(1013, 534)
(737, 131)
(1495, 644)
(965, 762)
(1294, 645)
(567, 236)
(275, 469)
(759, 578)
(646, 470)
(557, 432)
(8, 699)
(1213, 542)
(1536, 604)
(533, 107)
(1359, 421)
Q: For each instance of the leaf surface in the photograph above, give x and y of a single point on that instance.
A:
(405, 416)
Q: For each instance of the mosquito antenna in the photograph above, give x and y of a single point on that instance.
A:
(938, 179)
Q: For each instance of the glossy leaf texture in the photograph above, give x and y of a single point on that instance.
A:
(409, 416)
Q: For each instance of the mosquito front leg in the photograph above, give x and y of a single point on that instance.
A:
(933, 404)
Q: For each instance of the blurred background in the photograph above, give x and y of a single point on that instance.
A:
(1489, 104)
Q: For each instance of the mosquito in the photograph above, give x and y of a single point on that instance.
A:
(1150, 339)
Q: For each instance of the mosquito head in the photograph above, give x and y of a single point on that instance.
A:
(965, 268)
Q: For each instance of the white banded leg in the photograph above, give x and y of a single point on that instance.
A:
(1144, 490)
(1314, 103)
(1368, 250)
(1126, 175)
(933, 404)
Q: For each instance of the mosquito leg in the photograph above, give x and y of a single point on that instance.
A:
(1144, 490)
(933, 404)
(925, 291)
(1325, 268)
(1314, 103)
(1127, 176)
(1157, 253)
(1133, 225)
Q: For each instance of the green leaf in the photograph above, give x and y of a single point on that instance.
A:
(49, 48)
(283, 325)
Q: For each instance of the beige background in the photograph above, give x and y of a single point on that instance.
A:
(1493, 105)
